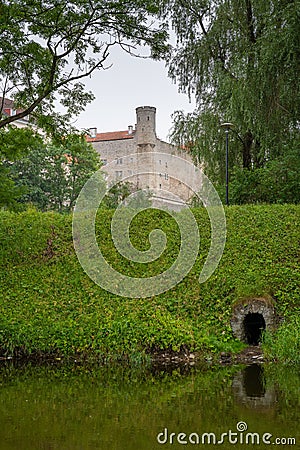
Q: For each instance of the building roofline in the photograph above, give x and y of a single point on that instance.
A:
(111, 136)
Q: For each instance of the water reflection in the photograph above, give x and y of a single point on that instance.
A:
(123, 408)
(254, 381)
(249, 388)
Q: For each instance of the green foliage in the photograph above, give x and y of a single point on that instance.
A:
(117, 194)
(9, 192)
(284, 345)
(140, 199)
(127, 194)
(277, 182)
(241, 61)
(48, 48)
(49, 305)
(14, 143)
(54, 174)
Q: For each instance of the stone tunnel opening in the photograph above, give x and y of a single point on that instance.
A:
(254, 324)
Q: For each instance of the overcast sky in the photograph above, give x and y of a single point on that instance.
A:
(129, 83)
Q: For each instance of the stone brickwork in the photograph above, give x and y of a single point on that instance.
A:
(115, 148)
(262, 307)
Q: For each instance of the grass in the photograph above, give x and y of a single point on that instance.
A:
(284, 345)
(49, 306)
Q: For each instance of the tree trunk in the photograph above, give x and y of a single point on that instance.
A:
(258, 159)
(247, 145)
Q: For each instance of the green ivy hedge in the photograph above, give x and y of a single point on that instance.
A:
(49, 306)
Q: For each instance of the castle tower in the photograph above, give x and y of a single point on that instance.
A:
(145, 127)
(145, 137)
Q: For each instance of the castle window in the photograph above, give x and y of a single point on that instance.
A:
(160, 161)
(159, 185)
(166, 164)
(148, 118)
(166, 176)
(119, 174)
(119, 161)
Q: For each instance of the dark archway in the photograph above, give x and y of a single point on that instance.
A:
(252, 315)
(254, 324)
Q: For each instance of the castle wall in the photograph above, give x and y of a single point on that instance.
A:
(143, 143)
(112, 150)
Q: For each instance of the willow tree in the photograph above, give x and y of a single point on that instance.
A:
(241, 60)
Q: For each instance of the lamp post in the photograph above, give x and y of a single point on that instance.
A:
(227, 126)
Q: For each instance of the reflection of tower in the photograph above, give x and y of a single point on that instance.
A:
(146, 139)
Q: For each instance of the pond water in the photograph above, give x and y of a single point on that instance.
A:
(147, 408)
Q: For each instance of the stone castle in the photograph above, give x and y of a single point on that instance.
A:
(137, 155)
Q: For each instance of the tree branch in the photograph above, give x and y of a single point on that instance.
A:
(250, 24)
(213, 54)
(54, 87)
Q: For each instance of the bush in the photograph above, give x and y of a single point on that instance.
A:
(48, 304)
(277, 182)
(284, 345)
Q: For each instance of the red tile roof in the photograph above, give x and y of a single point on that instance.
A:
(111, 136)
(8, 106)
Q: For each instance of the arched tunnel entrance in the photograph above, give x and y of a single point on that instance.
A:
(254, 324)
(250, 316)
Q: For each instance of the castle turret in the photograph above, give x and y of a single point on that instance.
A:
(145, 126)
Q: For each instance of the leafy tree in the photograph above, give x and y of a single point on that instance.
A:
(277, 182)
(54, 174)
(140, 199)
(48, 47)
(241, 60)
(128, 194)
(117, 194)
(14, 143)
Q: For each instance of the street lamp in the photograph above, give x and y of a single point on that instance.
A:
(227, 126)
